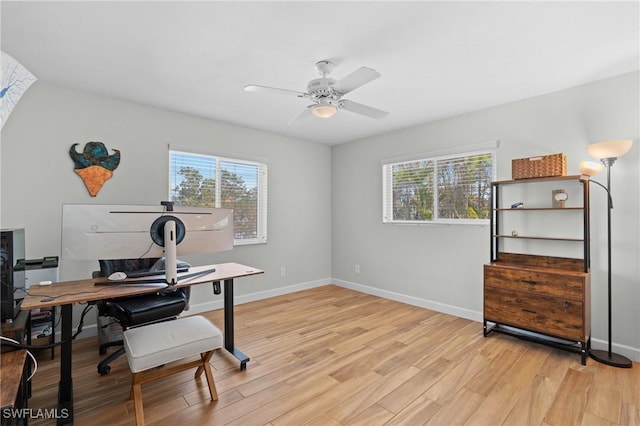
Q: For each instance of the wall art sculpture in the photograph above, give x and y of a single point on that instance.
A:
(94, 165)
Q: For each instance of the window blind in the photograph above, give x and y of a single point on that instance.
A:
(211, 181)
(453, 188)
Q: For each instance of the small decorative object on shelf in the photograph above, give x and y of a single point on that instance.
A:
(559, 197)
(517, 205)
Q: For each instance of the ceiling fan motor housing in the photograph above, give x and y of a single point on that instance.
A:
(324, 67)
(322, 88)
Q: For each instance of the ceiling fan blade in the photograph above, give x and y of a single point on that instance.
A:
(358, 78)
(302, 116)
(265, 89)
(363, 109)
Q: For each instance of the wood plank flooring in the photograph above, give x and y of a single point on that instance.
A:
(332, 356)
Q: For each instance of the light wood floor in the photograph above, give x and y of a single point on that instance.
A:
(332, 356)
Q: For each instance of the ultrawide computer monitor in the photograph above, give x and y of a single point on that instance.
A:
(97, 231)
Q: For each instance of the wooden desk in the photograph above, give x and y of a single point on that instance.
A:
(65, 294)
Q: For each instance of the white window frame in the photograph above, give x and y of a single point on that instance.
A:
(435, 157)
(262, 173)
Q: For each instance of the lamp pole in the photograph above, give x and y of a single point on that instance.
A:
(608, 357)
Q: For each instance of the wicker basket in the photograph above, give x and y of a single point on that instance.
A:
(543, 166)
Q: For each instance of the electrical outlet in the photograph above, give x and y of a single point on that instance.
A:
(283, 271)
(357, 268)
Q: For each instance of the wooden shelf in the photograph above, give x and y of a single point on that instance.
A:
(505, 209)
(541, 179)
(528, 293)
(524, 237)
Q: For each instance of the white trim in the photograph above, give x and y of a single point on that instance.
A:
(628, 351)
(223, 155)
(261, 186)
(467, 149)
(410, 300)
(263, 202)
(387, 183)
(252, 297)
(441, 222)
(194, 309)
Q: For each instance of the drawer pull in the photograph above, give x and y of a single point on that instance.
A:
(565, 305)
(530, 282)
(528, 311)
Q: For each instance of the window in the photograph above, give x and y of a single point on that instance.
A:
(452, 187)
(212, 181)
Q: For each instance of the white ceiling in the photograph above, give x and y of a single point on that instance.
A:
(437, 59)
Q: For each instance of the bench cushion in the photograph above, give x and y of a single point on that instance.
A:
(153, 345)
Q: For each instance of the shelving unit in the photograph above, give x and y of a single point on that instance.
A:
(538, 297)
(42, 328)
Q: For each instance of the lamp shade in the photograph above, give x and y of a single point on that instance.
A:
(609, 149)
(590, 168)
(324, 111)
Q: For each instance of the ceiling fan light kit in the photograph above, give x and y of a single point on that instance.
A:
(326, 93)
(324, 111)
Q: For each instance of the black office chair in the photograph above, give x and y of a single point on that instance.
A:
(134, 311)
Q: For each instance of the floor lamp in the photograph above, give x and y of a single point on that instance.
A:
(607, 152)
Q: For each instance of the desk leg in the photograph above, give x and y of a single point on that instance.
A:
(65, 386)
(229, 343)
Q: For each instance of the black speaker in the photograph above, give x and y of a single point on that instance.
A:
(11, 249)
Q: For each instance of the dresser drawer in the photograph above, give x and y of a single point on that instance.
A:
(554, 316)
(567, 285)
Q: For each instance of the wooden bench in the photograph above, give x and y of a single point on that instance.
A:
(155, 345)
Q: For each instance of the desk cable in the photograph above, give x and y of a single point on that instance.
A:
(15, 344)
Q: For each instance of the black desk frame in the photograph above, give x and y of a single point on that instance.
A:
(65, 386)
(229, 334)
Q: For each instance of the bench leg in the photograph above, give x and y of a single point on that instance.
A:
(206, 367)
(141, 377)
(136, 390)
(199, 370)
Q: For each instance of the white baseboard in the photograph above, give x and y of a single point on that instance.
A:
(414, 301)
(92, 330)
(252, 297)
(628, 351)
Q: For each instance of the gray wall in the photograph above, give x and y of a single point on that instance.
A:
(37, 178)
(325, 211)
(440, 266)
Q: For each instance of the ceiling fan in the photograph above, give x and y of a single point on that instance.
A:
(326, 93)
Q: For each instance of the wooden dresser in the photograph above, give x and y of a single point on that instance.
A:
(537, 297)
